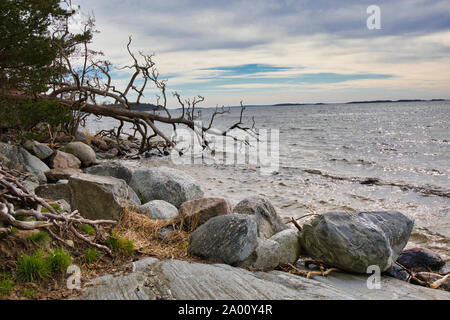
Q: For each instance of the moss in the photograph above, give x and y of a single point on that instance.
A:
(120, 244)
(32, 268)
(6, 283)
(91, 255)
(40, 237)
(54, 205)
(59, 260)
(90, 230)
(184, 245)
(29, 293)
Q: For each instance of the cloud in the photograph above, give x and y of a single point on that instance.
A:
(215, 47)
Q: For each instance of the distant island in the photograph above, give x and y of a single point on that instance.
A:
(357, 102)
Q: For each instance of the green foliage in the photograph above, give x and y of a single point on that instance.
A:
(40, 237)
(24, 29)
(120, 244)
(26, 115)
(34, 267)
(59, 260)
(90, 230)
(91, 255)
(6, 283)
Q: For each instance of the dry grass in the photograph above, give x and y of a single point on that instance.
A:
(144, 232)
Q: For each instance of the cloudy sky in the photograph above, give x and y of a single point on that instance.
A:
(278, 51)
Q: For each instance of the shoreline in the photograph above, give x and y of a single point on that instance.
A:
(293, 196)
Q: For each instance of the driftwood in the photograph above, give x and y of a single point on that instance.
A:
(13, 191)
(323, 272)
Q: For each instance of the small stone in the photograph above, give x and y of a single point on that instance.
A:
(420, 259)
(265, 257)
(289, 245)
(159, 210)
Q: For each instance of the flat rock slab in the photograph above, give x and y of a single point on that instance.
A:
(174, 279)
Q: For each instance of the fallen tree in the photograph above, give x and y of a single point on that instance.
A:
(83, 81)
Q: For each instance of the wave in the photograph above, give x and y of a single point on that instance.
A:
(424, 190)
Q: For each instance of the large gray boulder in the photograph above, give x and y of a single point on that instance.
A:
(289, 245)
(230, 239)
(99, 197)
(159, 210)
(82, 151)
(20, 159)
(111, 169)
(162, 183)
(38, 149)
(265, 257)
(54, 192)
(354, 241)
(267, 218)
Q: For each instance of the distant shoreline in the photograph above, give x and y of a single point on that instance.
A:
(331, 103)
(360, 102)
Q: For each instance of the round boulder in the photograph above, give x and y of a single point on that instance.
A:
(229, 239)
(82, 151)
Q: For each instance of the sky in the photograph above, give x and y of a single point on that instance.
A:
(281, 51)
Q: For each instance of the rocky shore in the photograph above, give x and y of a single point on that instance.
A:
(249, 250)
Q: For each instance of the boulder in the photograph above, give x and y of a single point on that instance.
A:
(355, 241)
(57, 174)
(420, 259)
(38, 149)
(398, 273)
(198, 211)
(20, 159)
(54, 191)
(82, 151)
(162, 183)
(289, 245)
(102, 145)
(230, 239)
(265, 257)
(99, 197)
(111, 169)
(267, 218)
(159, 210)
(63, 160)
